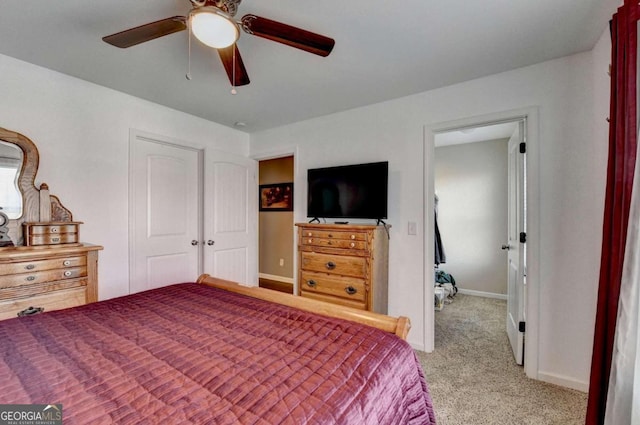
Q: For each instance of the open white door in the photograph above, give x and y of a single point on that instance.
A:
(164, 192)
(516, 243)
(231, 216)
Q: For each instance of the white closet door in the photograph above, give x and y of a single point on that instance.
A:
(516, 255)
(164, 202)
(231, 215)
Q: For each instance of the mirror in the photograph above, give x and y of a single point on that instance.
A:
(10, 167)
(23, 202)
(27, 208)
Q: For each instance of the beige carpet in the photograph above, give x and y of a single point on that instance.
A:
(473, 378)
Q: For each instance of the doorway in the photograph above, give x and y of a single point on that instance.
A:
(477, 184)
(276, 224)
(529, 299)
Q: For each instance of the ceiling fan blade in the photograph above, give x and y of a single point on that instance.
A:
(147, 32)
(240, 73)
(286, 34)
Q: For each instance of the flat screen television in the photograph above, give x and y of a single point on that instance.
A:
(350, 191)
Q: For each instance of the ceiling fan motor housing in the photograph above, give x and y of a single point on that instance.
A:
(228, 6)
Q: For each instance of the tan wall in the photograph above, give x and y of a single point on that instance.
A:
(276, 227)
(471, 184)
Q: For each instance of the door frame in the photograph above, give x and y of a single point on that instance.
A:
(274, 154)
(531, 117)
(163, 140)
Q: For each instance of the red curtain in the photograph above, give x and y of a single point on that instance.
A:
(621, 165)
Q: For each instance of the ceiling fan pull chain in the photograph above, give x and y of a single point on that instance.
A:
(188, 75)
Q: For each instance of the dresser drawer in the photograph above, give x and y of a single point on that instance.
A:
(46, 229)
(39, 265)
(55, 300)
(333, 234)
(42, 276)
(334, 243)
(333, 300)
(51, 233)
(52, 239)
(336, 286)
(334, 264)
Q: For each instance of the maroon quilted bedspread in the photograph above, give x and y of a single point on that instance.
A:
(193, 354)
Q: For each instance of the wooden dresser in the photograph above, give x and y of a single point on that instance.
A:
(344, 264)
(47, 278)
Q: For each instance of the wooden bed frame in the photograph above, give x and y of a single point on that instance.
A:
(397, 325)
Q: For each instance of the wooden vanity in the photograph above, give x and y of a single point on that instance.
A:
(48, 268)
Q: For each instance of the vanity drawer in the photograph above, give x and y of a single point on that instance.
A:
(45, 229)
(55, 300)
(52, 239)
(336, 286)
(42, 276)
(53, 233)
(39, 265)
(334, 264)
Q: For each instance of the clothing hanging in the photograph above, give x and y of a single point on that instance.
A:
(440, 256)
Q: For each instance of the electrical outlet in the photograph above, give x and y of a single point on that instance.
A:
(412, 228)
(281, 262)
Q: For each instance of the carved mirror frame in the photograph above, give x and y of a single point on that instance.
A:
(31, 195)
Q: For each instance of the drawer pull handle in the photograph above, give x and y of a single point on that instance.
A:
(55, 239)
(350, 290)
(67, 273)
(309, 234)
(54, 230)
(331, 265)
(31, 278)
(66, 262)
(30, 267)
(30, 311)
(352, 244)
(353, 236)
(311, 283)
(310, 240)
(330, 235)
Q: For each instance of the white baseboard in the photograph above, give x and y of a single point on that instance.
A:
(482, 294)
(276, 278)
(417, 346)
(563, 381)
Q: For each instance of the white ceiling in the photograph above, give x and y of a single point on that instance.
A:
(384, 50)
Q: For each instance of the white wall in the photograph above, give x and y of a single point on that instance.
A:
(82, 133)
(471, 184)
(572, 179)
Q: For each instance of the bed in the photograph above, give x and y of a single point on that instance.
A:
(211, 352)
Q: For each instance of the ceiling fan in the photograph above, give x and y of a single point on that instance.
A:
(212, 22)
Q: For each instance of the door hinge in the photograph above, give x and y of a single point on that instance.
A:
(523, 147)
(523, 237)
(521, 326)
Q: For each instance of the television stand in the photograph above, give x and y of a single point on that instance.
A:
(379, 220)
(314, 220)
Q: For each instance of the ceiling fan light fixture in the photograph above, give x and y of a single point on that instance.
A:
(213, 27)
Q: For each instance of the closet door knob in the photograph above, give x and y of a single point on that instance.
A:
(210, 242)
(194, 242)
(507, 247)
